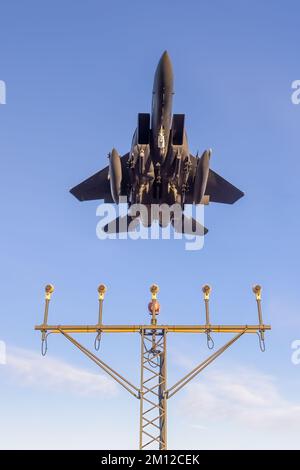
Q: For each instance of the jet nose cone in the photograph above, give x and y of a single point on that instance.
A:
(164, 73)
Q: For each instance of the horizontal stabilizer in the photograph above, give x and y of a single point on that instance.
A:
(220, 190)
(189, 226)
(122, 224)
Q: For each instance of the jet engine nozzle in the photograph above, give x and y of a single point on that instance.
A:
(115, 174)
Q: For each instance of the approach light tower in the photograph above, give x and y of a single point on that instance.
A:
(153, 392)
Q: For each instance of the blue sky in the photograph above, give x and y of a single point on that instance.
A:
(77, 74)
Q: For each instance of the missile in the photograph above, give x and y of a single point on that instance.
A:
(201, 177)
(115, 174)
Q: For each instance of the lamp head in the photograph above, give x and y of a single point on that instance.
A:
(206, 289)
(49, 289)
(101, 291)
(257, 291)
(154, 289)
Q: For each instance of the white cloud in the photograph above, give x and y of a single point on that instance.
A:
(241, 397)
(28, 368)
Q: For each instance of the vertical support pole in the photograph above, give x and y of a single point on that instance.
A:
(162, 394)
(100, 314)
(257, 291)
(141, 390)
(154, 310)
(207, 320)
(101, 292)
(46, 311)
(49, 289)
(206, 289)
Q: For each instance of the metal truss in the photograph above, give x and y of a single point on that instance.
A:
(153, 404)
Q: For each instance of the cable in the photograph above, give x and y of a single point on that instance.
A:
(97, 341)
(261, 342)
(210, 341)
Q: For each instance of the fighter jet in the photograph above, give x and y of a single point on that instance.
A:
(159, 168)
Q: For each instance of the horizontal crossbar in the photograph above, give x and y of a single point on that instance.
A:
(138, 328)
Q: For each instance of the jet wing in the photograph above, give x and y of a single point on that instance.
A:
(97, 186)
(220, 190)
